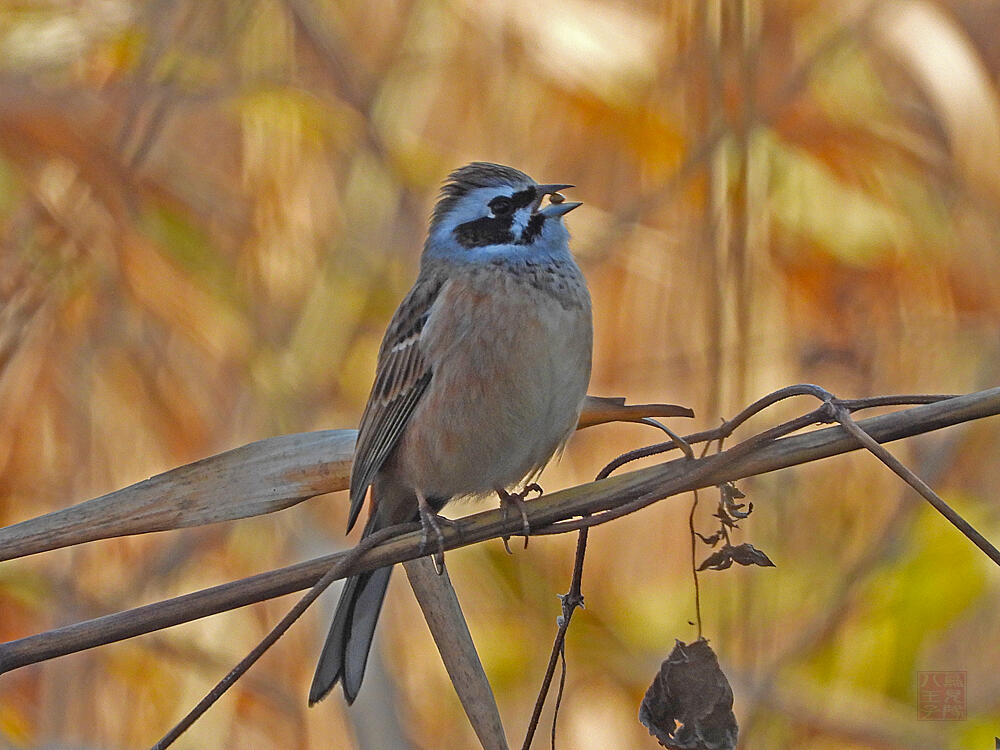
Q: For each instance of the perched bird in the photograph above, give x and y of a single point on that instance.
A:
(480, 378)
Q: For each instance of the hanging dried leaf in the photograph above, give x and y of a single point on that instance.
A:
(743, 554)
(747, 554)
(730, 494)
(718, 560)
(689, 706)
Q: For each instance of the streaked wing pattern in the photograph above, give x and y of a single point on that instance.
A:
(401, 377)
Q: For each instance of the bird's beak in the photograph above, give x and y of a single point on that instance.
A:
(550, 189)
(554, 209)
(558, 209)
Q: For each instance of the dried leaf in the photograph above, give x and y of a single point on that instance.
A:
(711, 540)
(689, 706)
(747, 554)
(602, 409)
(729, 506)
(743, 554)
(718, 560)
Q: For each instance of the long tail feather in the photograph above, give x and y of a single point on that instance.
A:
(345, 652)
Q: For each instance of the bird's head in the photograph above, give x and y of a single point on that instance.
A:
(489, 210)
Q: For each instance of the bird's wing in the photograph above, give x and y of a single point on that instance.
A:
(401, 377)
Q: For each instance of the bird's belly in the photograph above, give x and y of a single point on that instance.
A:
(504, 397)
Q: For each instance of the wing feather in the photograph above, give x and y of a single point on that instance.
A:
(401, 377)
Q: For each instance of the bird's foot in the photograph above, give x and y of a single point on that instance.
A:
(431, 523)
(517, 501)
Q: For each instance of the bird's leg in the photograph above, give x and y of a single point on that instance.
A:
(431, 521)
(516, 500)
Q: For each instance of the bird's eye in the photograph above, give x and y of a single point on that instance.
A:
(501, 206)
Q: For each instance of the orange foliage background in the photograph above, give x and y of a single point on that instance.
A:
(208, 212)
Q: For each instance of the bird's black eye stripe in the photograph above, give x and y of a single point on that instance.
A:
(524, 197)
(503, 205)
(482, 232)
(496, 228)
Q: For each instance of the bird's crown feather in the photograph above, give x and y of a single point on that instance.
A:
(478, 174)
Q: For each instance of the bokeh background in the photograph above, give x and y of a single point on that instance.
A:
(209, 211)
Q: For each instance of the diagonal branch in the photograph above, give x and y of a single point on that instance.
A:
(844, 417)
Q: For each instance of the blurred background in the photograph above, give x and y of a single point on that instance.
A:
(209, 211)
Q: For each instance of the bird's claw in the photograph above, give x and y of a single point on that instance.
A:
(533, 487)
(431, 523)
(516, 499)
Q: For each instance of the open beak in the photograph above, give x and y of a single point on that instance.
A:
(554, 209)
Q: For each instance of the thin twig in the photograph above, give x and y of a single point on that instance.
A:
(697, 476)
(694, 563)
(570, 601)
(728, 427)
(694, 547)
(821, 415)
(844, 417)
(336, 571)
(559, 692)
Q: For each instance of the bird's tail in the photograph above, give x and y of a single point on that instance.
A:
(345, 652)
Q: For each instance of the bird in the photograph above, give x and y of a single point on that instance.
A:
(479, 382)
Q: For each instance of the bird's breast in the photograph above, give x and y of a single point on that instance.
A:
(510, 356)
